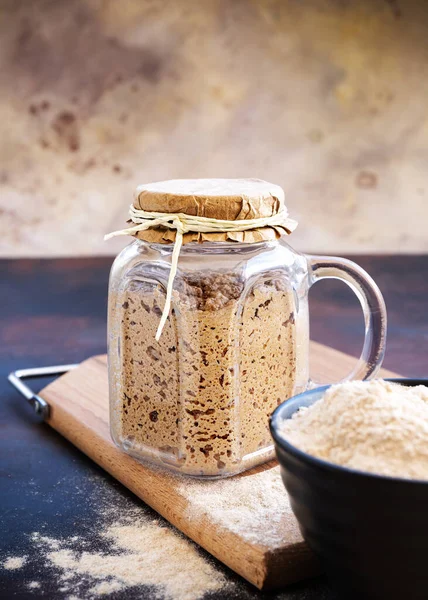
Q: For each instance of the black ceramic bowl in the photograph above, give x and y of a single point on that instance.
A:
(369, 531)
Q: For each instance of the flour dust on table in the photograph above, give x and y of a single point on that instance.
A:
(14, 562)
(123, 550)
(126, 548)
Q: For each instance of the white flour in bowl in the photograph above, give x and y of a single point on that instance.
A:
(375, 426)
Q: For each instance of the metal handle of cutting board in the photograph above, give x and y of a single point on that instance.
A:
(41, 407)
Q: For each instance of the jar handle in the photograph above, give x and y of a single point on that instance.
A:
(372, 303)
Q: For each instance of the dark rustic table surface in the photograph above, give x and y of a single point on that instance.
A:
(53, 312)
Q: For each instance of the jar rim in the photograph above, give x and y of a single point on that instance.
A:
(209, 245)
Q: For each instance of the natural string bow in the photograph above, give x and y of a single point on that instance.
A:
(183, 223)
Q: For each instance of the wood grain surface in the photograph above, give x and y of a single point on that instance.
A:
(79, 411)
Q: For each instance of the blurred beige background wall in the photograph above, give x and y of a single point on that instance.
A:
(328, 98)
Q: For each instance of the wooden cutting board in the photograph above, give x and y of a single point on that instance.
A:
(263, 545)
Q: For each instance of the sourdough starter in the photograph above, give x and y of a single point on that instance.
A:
(201, 397)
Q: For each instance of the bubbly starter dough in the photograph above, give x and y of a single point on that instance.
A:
(200, 398)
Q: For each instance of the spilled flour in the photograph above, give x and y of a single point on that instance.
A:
(141, 553)
(33, 585)
(256, 508)
(14, 562)
(120, 547)
(123, 547)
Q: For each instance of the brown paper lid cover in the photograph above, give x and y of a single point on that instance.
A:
(226, 199)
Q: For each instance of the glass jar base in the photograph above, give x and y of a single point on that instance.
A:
(155, 462)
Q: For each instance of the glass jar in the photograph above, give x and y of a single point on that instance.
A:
(235, 345)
